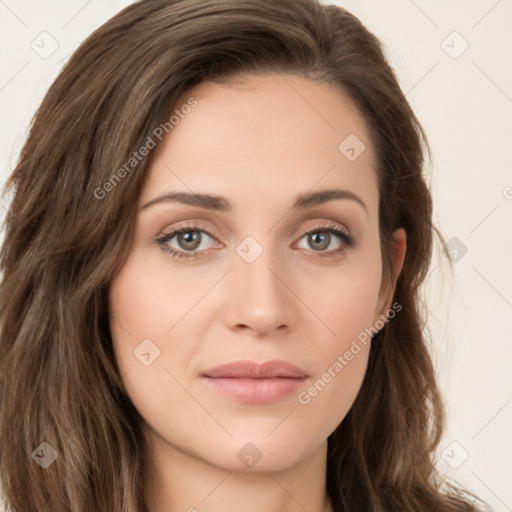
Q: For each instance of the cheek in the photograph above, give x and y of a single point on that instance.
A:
(150, 307)
(341, 358)
(147, 300)
(135, 306)
(141, 313)
(346, 301)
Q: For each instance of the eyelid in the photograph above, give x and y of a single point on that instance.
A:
(187, 225)
(314, 224)
(326, 224)
(168, 234)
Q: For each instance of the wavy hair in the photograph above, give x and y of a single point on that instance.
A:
(59, 381)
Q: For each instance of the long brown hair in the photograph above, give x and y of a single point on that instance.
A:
(69, 229)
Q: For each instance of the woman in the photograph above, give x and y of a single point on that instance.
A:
(211, 273)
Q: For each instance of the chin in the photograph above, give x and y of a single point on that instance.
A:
(258, 455)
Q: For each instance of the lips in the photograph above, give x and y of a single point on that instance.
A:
(251, 370)
(251, 382)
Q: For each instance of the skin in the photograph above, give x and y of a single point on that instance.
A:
(258, 143)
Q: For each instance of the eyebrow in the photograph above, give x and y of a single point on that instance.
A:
(221, 204)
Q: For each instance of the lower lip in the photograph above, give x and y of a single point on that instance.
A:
(256, 391)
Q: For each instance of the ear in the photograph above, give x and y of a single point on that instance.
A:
(398, 248)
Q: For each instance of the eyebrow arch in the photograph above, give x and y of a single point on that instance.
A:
(221, 204)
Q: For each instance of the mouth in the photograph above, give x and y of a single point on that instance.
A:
(250, 382)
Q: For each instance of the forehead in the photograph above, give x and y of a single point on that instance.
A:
(266, 135)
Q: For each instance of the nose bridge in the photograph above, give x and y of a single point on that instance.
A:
(258, 296)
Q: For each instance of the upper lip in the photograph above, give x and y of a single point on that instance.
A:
(252, 370)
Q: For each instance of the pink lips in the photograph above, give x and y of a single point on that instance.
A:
(251, 382)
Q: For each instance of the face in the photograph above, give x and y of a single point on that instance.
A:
(262, 273)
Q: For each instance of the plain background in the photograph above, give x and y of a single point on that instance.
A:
(453, 61)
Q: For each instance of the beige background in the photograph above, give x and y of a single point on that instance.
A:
(460, 86)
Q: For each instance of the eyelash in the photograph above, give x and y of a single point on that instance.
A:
(348, 241)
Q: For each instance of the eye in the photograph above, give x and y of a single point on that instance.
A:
(191, 240)
(321, 237)
(188, 238)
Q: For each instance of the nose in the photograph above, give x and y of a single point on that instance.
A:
(260, 297)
